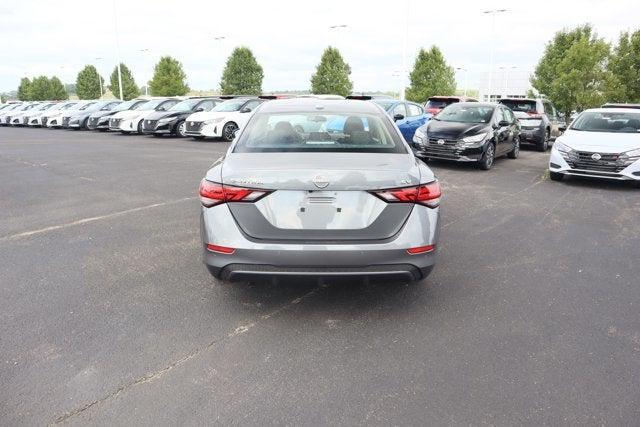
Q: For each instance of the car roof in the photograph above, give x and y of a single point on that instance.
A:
(611, 109)
(520, 99)
(477, 104)
(315, 104)
(620, 105)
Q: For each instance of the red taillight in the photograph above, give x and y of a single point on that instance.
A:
(220, 249)
(421, 249)
(426, 194)
(534, 115)
(212, 193)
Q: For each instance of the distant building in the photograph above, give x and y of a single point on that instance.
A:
(505, 83)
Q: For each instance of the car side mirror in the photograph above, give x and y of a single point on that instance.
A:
(503, 123)
(198, 110)
(245, 110)
(398, 117)
(161, 109)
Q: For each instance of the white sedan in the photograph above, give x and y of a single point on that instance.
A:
(129, 121)
(224, 119)
(600, 143)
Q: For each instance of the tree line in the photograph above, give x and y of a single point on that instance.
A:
(578, 70)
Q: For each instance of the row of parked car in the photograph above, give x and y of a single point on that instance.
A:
(604, 143)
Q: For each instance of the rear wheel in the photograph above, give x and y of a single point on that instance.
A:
(544, 144)
(488, 158)
(555, 176)
(229, 131)
(513, 154)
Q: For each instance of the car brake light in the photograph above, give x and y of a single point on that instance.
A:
(425, 194)
(533, 115)
(421, 249)
(220, 249)
(212, 193)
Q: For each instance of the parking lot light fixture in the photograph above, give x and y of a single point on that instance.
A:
(493, 13)
(99, 78)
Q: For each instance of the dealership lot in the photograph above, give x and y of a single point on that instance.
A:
(109, 316)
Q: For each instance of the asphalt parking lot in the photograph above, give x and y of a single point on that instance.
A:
(109, 317)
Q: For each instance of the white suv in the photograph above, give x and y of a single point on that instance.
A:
(600, 143)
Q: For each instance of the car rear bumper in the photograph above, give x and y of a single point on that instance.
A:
(532, 135)
(385, 258)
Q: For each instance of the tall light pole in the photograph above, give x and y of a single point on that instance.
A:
(115, 28)
(146, 85)
(99, 78)
(220, 39)
(506, 78)
(493, 14)
(333, 28)
(405, 42)
(466, 78)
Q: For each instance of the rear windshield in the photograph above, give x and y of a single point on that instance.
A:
(318, 132)
(440, 102)
(466, 114)
(607, 122)
(520, 106)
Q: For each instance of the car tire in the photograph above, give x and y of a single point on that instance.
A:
(544, 144)
(555, 176)
(228, 131)
(140, 127)
(488, 157)
(181, 129)
(513, 154)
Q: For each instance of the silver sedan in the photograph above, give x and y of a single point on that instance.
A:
(316, 187)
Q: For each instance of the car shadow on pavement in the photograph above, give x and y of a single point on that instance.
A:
(600, 184)
(347, 296)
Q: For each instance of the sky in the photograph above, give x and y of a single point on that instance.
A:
(287, 37)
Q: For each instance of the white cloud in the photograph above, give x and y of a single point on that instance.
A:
(288, 36)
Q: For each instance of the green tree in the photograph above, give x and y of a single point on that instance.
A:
(625, 67)
(3, 98)
(57, 90)
(88, 83)
(572, 72)
(242, 74)
(169, 79)
(129, 88)
(24, 90)
(431, 76)
(332, 74)
(40, 88)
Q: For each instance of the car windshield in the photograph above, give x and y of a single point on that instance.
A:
(84, 107)
(67, 106)
(318, 132)
(440, 102)
(150, 105)
(126, 105)
(186, 105)
(143, 106)
(110, 106)
(385, 104)
(45, 107)
(466, 113)
(520, 106)
(617, 122)
(230, 105)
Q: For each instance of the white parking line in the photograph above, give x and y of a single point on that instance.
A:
(91, 219)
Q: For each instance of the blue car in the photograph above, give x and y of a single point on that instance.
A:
(407, 115)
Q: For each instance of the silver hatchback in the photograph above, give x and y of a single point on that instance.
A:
(314, 187)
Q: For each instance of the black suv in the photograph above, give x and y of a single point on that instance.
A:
(539, 120)
(469, 132)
